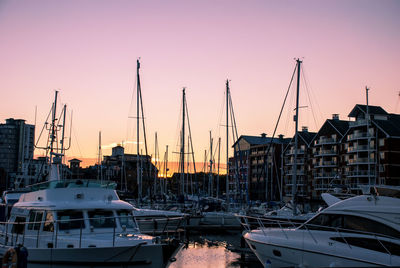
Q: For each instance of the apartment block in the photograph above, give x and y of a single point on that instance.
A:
(301, 158)
(16, 149)
(328, 155)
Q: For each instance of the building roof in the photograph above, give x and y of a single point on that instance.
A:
(261, 140)
(340, 125)
(391, 126)
(307, 136)
(74, 160)
(360, 108)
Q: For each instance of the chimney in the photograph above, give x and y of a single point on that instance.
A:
(335, 116)
(263, 135)
(304, 129)
(280, 137)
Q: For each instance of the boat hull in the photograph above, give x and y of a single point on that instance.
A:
(273, 249)
(126, 256)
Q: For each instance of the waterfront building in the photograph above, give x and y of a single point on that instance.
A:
(303, 167)
(254, 172)
(328, 155)
(16, 151)
(122, 168)
(372, 148)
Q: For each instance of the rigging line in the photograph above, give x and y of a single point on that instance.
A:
(129, 127)
(309, 98)
(277, 123)
(292, 98)
(313, 94)
(77, 143)
(143, 123)
(221, 112)
(43, 128)
(190, 136)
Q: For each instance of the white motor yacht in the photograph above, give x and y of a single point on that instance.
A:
(82, 224)
(357, 232)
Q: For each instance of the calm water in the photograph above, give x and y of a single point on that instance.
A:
(214, 251)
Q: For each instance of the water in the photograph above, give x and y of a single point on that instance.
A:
(215, 251)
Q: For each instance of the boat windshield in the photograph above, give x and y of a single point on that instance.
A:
(126, 218)
(72, 184)
(101, 219)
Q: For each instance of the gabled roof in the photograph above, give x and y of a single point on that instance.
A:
(391, 126)
(340, 125)
(307, 136)
(360, 108)
(260, 140)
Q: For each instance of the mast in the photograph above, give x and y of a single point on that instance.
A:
(166, 171)
(219, 155)
(294, 171)
(155, 162)
(138, 166)
(99, 167)
(369, 139)
(182, 153)
(210, 178)
(227, 141)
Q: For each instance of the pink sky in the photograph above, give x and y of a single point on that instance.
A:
(88, 50)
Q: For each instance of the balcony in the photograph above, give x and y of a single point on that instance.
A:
(359, 148)
(360, 161)
(360, 173)
(324, 140)
(298, 162)
(357, 136)
(360, 122)
(331, 163)
(326, 152)
(323, 175)
(292, 151)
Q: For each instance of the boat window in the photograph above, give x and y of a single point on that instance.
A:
(324, 222)
(371, 244)
(19, 225)
(101, 219)
(48, 224)
(366, 225)
(35, 218)
(70, 219)
(349, 223)
(126, 218)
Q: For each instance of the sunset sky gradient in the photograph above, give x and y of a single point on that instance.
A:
(88, 50)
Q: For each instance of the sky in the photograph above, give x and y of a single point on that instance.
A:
(88, 50)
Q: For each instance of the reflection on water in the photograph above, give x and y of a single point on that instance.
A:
(215, 251)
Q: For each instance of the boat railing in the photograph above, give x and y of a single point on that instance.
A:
(14, 233)
(250, 223)
(167, 224)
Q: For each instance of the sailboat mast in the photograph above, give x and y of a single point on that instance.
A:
(99, 177)
(210, 178)
(369, 138)
(294, 171)
(227, 141)
(182, 153)
(138, 166)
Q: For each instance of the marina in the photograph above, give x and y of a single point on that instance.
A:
(220, 134)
